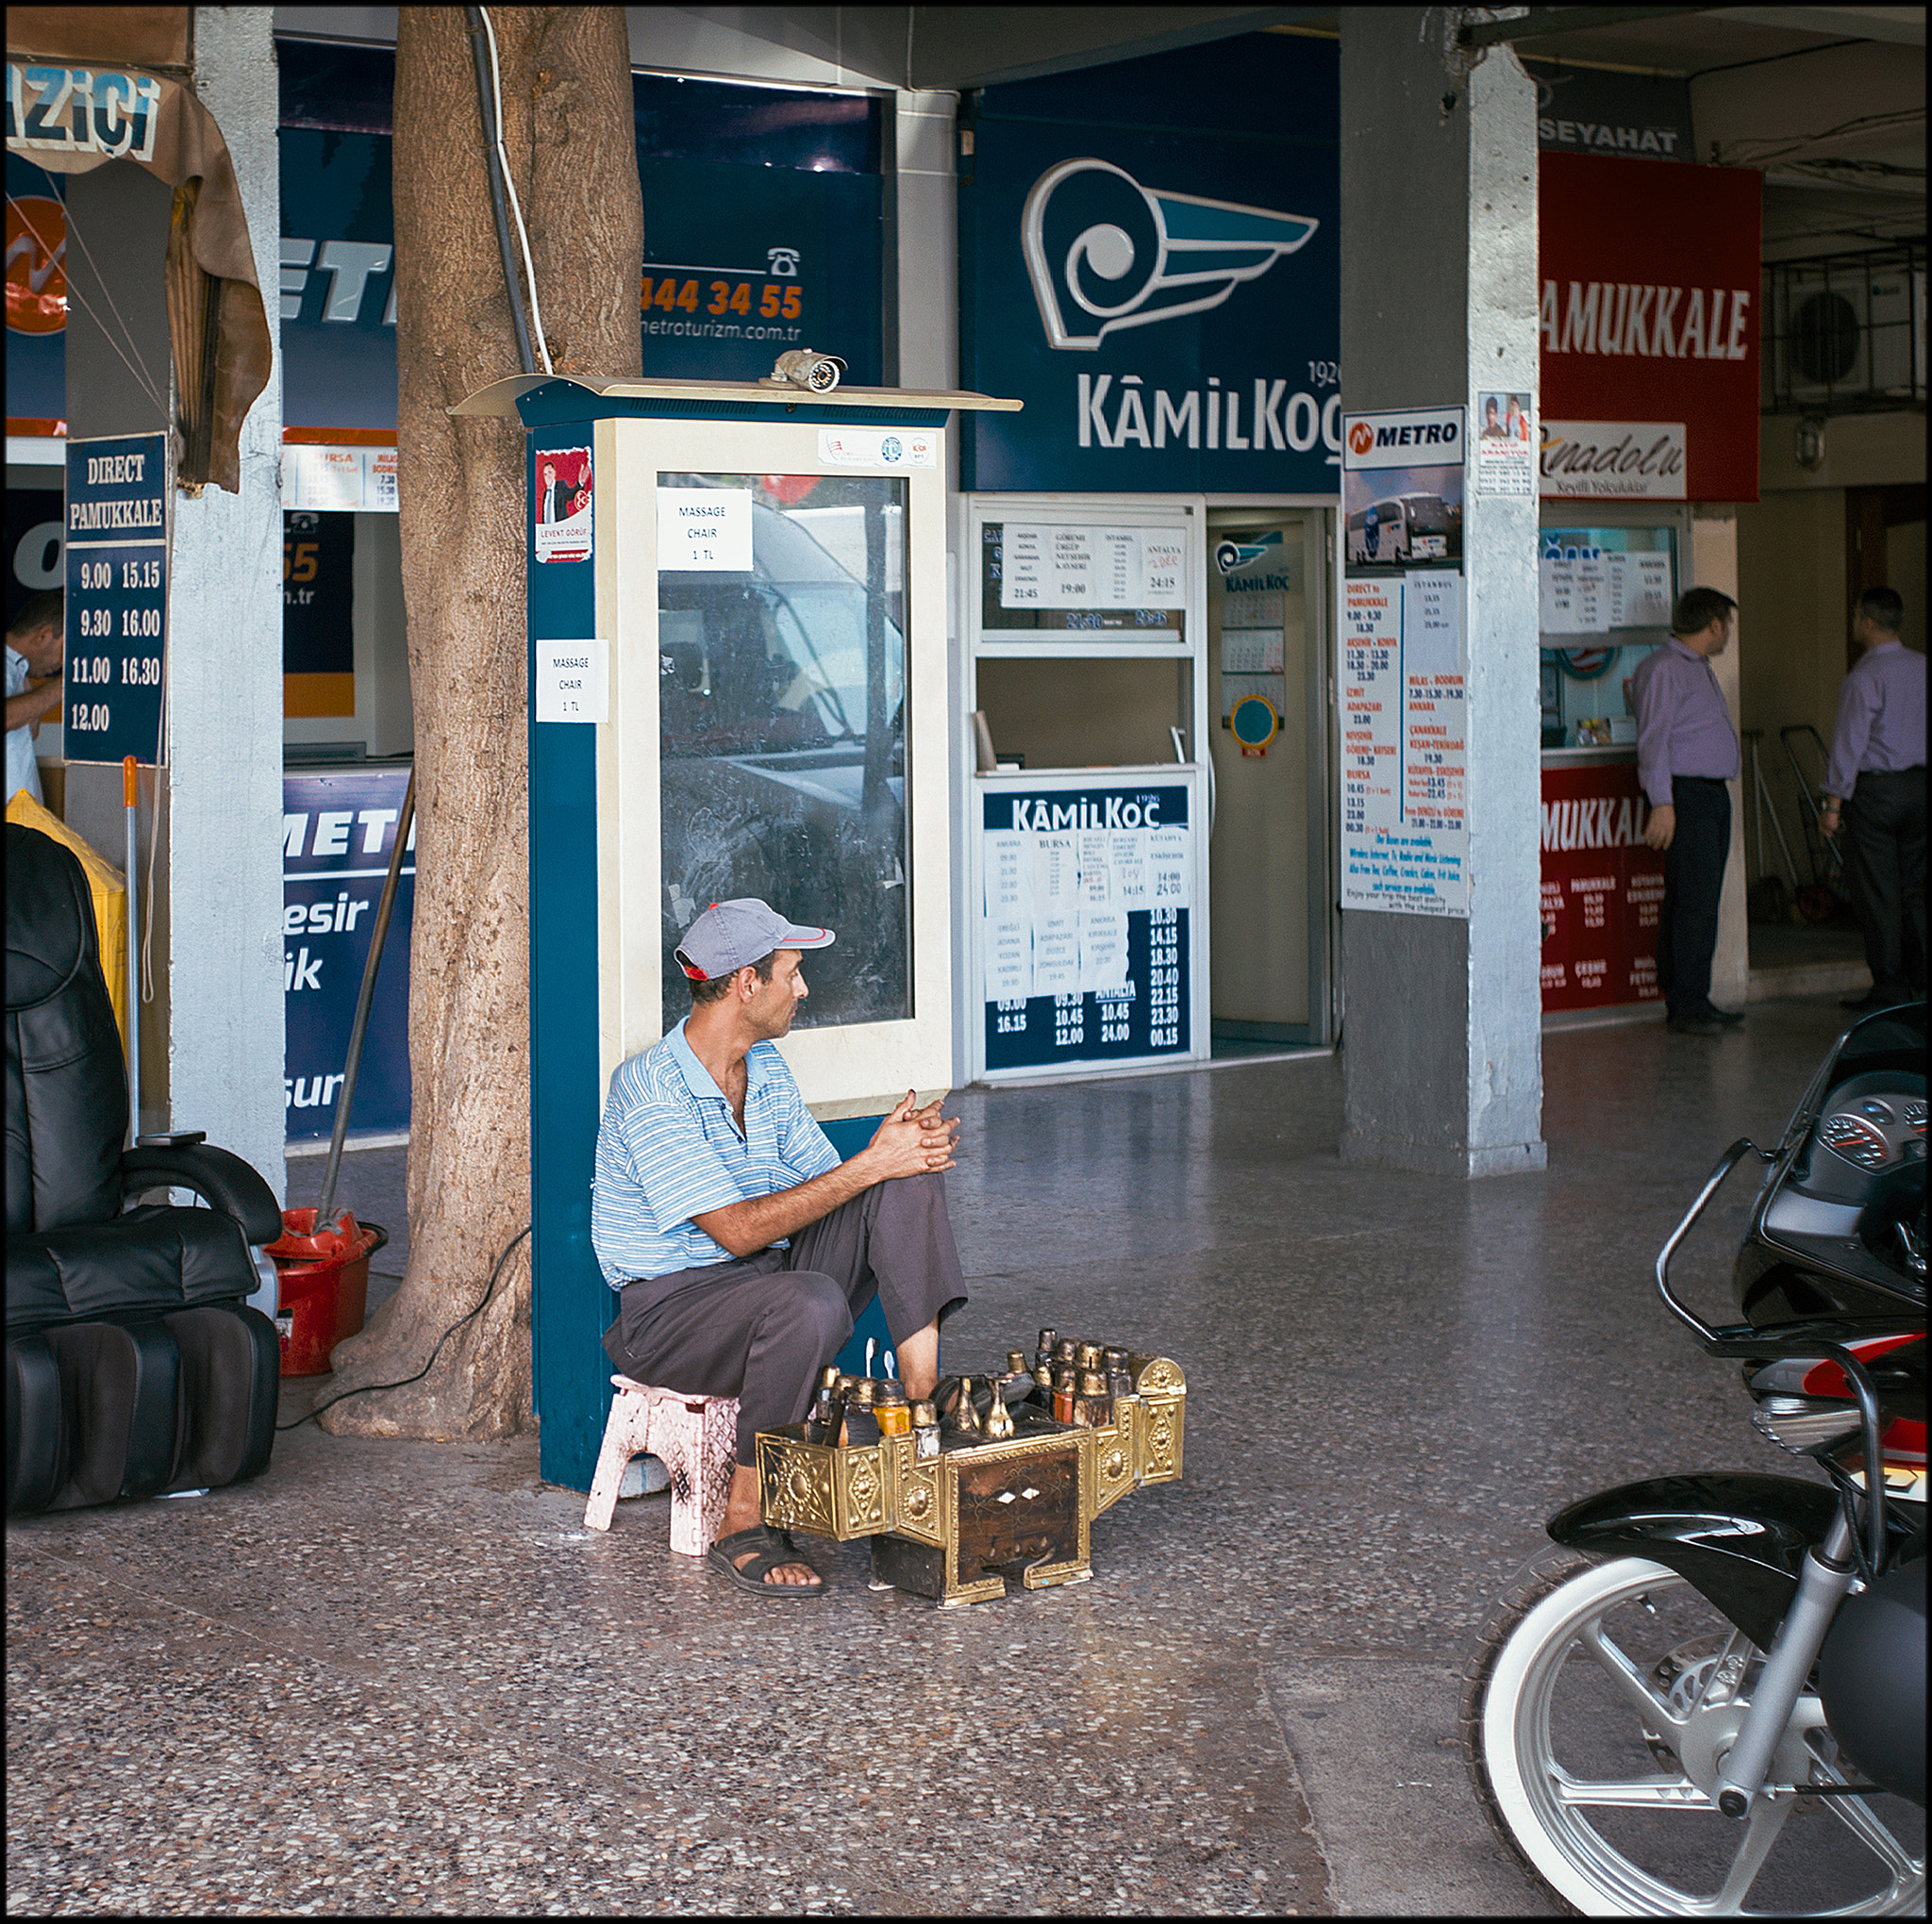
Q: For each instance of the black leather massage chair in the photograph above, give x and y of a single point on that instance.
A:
(134, 1363)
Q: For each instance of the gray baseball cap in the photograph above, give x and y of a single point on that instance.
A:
(730, 934)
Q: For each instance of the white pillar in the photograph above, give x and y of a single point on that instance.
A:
(224, 954)
(1441, 1043)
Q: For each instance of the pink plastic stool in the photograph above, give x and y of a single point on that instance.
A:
(697, 1440)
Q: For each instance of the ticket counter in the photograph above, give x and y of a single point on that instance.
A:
(737, 687)
(1608, 574)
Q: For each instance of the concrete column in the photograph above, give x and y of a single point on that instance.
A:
(1442, 1064)
(923, 352)
(224, 693)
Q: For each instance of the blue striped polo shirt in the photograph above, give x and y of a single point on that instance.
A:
(667, 1150)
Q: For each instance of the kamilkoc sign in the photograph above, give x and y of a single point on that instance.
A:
(1153, 267)
(1648, 313)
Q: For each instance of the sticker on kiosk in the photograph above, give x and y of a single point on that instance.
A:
(563, 505)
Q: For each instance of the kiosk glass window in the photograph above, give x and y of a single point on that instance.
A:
(1605, 596)
(782, 705)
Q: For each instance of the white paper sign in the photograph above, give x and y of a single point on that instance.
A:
(1103, 951)
(1404, 746)
(573, 681)
(703, 531)
(1046, 567)
(1008, 960)
(1639, 590)
(1095, 876)
(1056, 953)
(1127, 861)
(379, 485)
(1556, 610)
(328, 479)
(1009, 876)
(1055, 873)
(1167, 876)
(1593, 602)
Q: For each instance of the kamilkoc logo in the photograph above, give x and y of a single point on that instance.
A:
(1105, 252)
(1231, 555)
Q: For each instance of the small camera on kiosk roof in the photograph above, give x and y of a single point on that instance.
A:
(806, 367)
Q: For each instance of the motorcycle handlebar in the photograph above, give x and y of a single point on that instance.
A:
(1731, 1158)
(1740, 1340)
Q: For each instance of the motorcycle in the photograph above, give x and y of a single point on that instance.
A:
(1709, 1696)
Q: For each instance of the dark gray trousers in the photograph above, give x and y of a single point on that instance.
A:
(1694, 885)
(761, 1328)
(1885, 862)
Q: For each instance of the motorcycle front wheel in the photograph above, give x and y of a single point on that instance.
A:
(1602, 1700)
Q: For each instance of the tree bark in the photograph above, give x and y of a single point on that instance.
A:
(569, 132)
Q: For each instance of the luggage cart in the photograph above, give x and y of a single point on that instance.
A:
(1768, 896)
(1825, 897)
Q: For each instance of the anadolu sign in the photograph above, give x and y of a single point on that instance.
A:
(1648, 315)
(1153, 265)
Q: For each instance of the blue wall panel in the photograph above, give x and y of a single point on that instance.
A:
(571, 1305)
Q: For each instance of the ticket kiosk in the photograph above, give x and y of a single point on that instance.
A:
(737, 687)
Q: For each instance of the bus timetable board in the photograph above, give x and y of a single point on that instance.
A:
(1086, 922)
(117, 597)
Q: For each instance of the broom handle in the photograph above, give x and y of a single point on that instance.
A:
(324, 1217)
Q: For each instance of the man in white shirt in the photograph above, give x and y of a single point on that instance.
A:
(36, 641)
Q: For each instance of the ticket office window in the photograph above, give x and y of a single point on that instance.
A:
(782, 732)
(1605, 604)
(1084, 634)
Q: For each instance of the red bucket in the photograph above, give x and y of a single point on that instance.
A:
(322, 1290)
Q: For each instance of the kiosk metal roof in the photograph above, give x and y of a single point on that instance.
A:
(506, 396)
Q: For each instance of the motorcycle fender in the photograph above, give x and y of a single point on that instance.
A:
(1739, 1538)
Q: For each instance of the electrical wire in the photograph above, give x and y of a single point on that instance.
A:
(492, 173)
(509, 188)
(367, 1388)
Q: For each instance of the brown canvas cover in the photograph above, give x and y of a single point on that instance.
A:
(82, 117)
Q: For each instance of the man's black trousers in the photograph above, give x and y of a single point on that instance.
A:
(1693, 881)
(1885, 863)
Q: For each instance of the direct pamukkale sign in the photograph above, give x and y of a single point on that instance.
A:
(117, 597)
(1649, 322)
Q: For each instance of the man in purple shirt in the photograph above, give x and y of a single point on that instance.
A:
(1686, 753)
(1876, 782)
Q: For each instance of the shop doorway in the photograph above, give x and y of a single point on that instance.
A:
(1269, 861)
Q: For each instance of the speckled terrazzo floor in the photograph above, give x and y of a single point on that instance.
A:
(389, 1678)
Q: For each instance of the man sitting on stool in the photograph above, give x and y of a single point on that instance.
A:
(744, 1247)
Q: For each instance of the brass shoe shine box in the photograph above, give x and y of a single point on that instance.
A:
(957, 1526)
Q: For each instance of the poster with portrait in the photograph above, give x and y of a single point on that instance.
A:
(1505, 444)
(561, 507)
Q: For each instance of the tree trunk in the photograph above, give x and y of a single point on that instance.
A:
(569, 131)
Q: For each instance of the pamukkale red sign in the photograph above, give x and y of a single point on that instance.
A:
(1650, 326)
